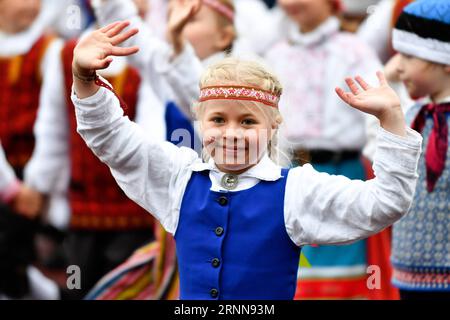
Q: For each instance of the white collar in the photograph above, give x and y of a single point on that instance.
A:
(265, 169)
(326, 29)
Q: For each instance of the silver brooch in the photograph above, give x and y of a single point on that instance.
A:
(229, 181)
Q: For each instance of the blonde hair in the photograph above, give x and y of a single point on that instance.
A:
(234, 71)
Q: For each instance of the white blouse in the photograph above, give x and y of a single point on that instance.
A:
(319, 208)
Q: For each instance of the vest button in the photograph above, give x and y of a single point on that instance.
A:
(215, 262)
(214, 293)
(223, 201)
(219, 231)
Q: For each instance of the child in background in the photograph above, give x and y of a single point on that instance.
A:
(421, 250)
(23, 60)
(253, 19)
(230, 246)
(9, 184)
(319, 128)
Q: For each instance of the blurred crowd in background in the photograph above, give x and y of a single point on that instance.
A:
(60, 206)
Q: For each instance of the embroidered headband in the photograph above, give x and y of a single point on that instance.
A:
(224, 10)
(232, 92)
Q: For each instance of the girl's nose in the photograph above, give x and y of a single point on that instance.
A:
(233, 133)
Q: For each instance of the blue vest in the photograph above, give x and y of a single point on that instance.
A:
(234, 245)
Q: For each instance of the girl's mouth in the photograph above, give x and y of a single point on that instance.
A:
(232, 148)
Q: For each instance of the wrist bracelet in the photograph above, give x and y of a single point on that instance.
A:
(88, 78)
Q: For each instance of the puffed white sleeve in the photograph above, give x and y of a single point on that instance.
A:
(328, 209)
(152, 173)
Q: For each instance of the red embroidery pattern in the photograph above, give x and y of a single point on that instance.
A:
(239, 93)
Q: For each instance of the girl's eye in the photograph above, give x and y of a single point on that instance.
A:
(248, 122)
(218, 120)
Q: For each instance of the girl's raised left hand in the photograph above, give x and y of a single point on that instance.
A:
(381, 101)
(95, 52)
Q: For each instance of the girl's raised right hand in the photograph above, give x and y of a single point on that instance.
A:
(95, 51)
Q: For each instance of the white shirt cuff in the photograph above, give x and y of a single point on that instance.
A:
(100, 109)
(399, 151)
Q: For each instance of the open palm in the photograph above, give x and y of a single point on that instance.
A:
(95, 51)
(369, 99)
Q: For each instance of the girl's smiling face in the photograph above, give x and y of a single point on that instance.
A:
(236, 133)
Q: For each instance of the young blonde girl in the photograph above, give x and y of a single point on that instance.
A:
(239, 224)
(200, 32)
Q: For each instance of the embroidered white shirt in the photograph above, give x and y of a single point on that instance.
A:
(318, 208)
